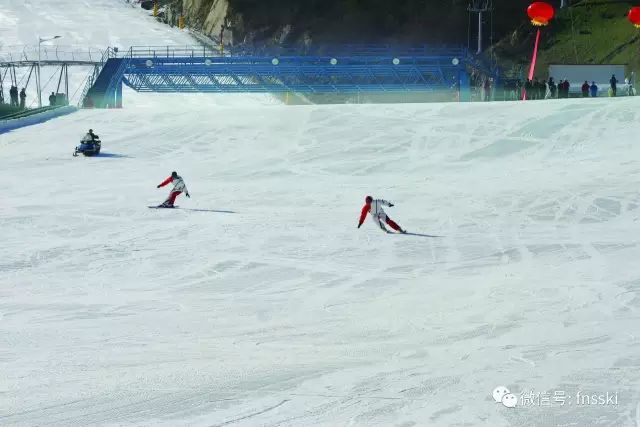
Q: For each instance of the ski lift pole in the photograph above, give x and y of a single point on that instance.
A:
(1, 86)
(155, 8)
(66, 84)
(38, 78)
(14, 77)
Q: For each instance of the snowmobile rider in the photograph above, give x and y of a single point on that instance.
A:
(91, 137)
(178, 187)
(374, 207)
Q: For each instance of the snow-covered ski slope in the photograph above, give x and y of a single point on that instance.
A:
(282, 312)
(263, 305)
(95, 23)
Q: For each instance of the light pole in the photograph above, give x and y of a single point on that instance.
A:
(40, 40)
(479, 7)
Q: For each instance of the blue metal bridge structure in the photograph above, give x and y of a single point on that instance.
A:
(339, 69)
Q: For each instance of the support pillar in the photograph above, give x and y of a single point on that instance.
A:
(465, 87)
(119, 94)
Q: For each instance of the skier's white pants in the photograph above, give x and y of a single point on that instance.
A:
(382, 219)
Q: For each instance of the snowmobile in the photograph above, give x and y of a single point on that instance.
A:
(88, 146)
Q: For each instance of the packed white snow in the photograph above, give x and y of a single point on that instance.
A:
(84, 23)
(259, 302)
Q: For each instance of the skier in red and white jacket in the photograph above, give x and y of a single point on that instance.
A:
(374, 207)
(178, 187)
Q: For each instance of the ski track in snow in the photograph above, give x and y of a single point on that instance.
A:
(283, 313)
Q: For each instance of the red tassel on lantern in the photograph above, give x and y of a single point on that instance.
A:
(634, 16)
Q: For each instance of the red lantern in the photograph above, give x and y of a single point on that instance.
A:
(540, 13)
(634, 16)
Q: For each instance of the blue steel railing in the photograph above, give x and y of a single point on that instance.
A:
(350, 50)
(298, 51)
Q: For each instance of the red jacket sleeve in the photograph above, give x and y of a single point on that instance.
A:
(165, 182)
(363, 215)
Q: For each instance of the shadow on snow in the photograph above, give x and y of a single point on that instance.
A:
(113, 156)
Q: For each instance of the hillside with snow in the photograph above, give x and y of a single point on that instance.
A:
(86, 28)
(260, 303)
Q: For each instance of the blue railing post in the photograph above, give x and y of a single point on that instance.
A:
(465, 87)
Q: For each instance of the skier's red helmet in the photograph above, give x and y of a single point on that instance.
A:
(368, 199)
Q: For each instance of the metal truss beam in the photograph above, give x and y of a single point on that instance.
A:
(344, 69)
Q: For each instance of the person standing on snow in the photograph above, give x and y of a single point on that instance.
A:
(614, 85)
(374, 207)
(552, 87)
(567, 88)
(13, 95)
(23, 99)
(178, 187)
(585, 89)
